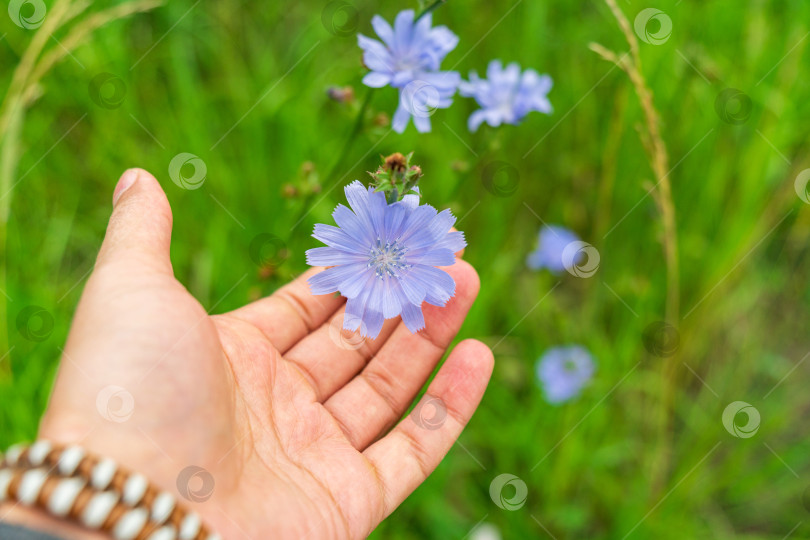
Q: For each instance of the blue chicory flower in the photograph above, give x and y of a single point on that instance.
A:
(383, 259)
(506, 95)
(408, 58)
(551, 243)
(564, 371)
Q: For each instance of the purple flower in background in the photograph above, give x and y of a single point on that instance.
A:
(551, 243)
(506, 96)
(383, 259)
(564, 371)
(421, 98)
(408, 58)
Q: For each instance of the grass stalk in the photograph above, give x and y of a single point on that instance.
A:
(658, 158)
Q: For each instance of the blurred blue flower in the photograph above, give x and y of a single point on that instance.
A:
(408, 58)
(551, 243)
(506, 96)
(383, 258)
(564, 371)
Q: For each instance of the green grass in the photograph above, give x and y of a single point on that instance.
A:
(257, 73)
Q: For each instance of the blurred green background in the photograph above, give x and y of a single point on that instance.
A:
(643, 452)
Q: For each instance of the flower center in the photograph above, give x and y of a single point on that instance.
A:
(387, 259)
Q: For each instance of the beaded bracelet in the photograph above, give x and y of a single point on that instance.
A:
(69, 483)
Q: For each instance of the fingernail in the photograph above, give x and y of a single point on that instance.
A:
(124, 183)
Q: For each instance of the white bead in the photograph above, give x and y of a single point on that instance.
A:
(64, 495)
(164, 533)
(162, 507)
(190, 526)
(103, 474)
(38, 452)
(134, 489)
(5, 480)
(214, 536)
(98, 509)
(130, 524)
(13, 453)
(70, 459)
(30, 485)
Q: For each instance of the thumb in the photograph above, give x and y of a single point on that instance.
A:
(140, 228)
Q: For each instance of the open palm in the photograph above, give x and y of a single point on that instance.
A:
(267, 419)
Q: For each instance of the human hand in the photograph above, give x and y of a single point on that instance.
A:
(291, 429)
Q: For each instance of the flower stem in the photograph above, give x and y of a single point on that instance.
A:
(429, 8)
(357, 127)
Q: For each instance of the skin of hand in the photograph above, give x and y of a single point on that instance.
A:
(291, 434)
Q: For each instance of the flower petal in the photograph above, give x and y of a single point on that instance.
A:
(422, 123)
(375, 79)
(438, 283)
(403, 30)
(328, 256)
(434, 257)
(330, 279)
(383, 30)
(401, 118)
(337, 238)
(413, 317)
(353, 226)
(414, 291)
(391, 305)
(454, 241)
(372, 324)
(353, 286)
